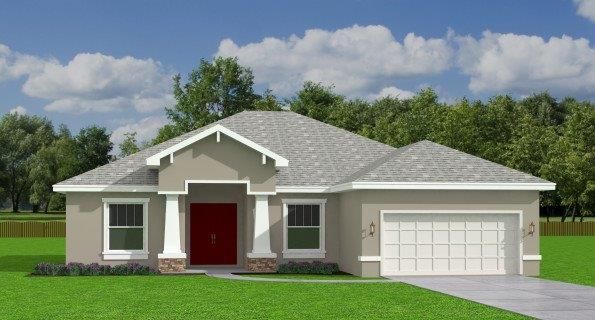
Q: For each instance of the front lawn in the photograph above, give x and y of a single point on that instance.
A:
(568, 259)
(341, 276)
(26, 297)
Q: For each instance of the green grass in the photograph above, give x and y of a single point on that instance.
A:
(20, 216)
(568, 219)
(568, 259)
(28, 297)
(341, 276)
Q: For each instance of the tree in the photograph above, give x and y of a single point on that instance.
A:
(50, 165)
(544, 109)
(21, 136)
(129, 145)
(496, 125)
(572, 161)
(94, 145)
(215, 90)
(315, 100)
(458, 127)
(267, 102)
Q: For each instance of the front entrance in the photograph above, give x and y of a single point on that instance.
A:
(213, 233)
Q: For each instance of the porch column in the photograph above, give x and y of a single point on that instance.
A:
(261, 258)
(172, 259)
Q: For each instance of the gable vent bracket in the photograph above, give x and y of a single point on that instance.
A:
(264, 159)
(218, 136)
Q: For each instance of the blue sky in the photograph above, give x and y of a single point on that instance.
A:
(110, 63)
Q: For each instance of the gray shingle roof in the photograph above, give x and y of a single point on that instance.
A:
(426, 161)
(321, 155)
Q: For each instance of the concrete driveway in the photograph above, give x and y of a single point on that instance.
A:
(543, 299)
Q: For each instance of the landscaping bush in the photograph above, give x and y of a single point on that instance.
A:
(315, 267)
(93, 269)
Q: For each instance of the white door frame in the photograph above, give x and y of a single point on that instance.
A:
(462, 211)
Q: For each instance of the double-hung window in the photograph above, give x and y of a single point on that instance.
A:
(125, 228)
(303, 221)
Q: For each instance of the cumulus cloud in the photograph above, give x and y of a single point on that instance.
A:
(586, 8)
(392, 92)
(90, 82)
(524, 64)
(18, 110)
(146, 129)
(356, 59)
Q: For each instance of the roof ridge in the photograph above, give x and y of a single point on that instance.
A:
(375, 164)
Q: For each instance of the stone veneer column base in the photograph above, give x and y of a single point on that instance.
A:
(261, 264)
(169, 265)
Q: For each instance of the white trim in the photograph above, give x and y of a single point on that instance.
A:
(368, 258)
(218, 136)
(261, 255)
(264, 159)
(103, 188)
(461, 211)
(301, 189)
(111, 255)
(532, 257)
(440, 186)
(171, 255)
(319, 253)
(125, 254)
(154, 160)
(125, 200)
(305, 254)
(171, 157)
(247, 182)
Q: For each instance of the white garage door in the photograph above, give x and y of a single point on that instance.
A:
(445, 243)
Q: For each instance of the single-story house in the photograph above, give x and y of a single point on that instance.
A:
(261, 188)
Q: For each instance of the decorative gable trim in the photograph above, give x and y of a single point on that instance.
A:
(218, 129)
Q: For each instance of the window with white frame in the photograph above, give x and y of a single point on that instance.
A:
(125, 228)
(303, 228)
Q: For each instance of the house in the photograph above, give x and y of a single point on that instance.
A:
(260, 188)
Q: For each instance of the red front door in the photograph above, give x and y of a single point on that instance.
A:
(213, 236)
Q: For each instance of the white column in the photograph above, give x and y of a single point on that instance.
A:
(261, 243)
(171, 235)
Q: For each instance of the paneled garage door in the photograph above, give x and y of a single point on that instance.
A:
(449, 243)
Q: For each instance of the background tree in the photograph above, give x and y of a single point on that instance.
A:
(217, 89)
(21, 136)
(315, 100)
(129, 145)
(94, 145)
(50, 165)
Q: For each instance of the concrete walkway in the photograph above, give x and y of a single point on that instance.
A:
(231, 276)
(543, 299)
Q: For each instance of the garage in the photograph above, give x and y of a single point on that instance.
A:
(450, 242)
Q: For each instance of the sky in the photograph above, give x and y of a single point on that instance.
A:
(111, 62)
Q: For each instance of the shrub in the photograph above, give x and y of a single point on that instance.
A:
(93, 269)
(315, 267)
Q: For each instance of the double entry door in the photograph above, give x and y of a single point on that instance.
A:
(213, 233)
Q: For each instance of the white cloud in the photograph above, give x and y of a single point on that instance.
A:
(355, 59)
(18, 110)
(146, 129)
(14, 65)
(90, 82)
(524, 64)
(392, 92)
(586, 8)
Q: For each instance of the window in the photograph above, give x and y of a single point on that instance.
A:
(304, 228)
(125, 228)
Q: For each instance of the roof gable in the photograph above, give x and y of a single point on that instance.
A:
(217, 129)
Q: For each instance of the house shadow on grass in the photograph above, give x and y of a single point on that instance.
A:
(26, 263)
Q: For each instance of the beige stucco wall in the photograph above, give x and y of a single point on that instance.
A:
(208, 159)
(375, 200)
(348, 216)
(84, 226)
(219, 193)
(331, 235)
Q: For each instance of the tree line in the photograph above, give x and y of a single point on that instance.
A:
(539, 135)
